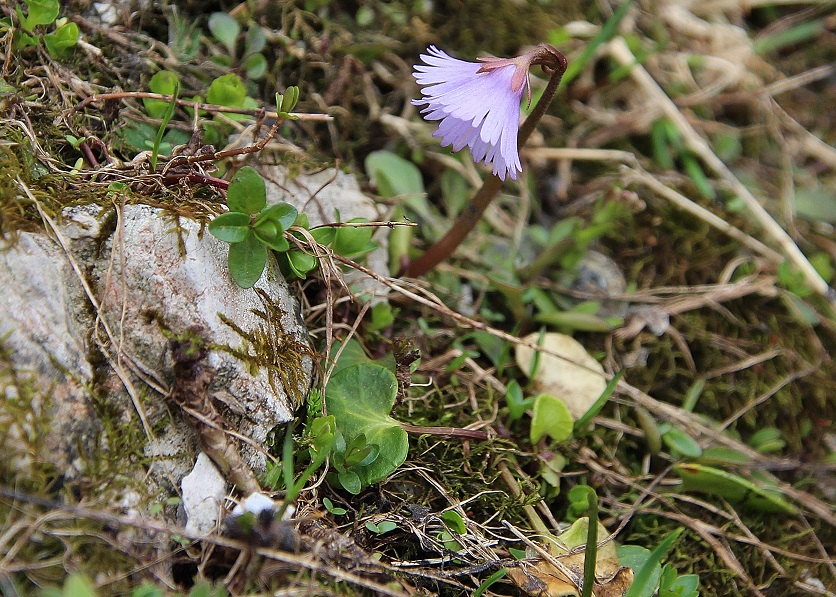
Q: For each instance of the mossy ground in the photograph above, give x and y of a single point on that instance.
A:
(764, 357)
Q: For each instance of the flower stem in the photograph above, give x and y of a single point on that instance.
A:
(473, 211)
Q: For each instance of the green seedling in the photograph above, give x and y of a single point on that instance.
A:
(39, 15)
(251, 227)
(517, 404)
(360, 397)
(384, 526)
(332, 509)
(227, 30)
(646, 565)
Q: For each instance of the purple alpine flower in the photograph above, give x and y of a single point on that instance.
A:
(478, 104)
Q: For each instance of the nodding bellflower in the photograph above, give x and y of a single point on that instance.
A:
(478, 104)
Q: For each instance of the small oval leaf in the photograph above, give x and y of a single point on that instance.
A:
(681, 442)
(225, 29)
(551, 417)
(283, 214)
(231, 227)
(246, 261)
(247, 192)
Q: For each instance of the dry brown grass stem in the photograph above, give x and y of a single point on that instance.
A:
(308, 561)
(213, 108)
(619, 50)
(636, 175)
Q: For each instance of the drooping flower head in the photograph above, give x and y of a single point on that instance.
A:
(479, 104)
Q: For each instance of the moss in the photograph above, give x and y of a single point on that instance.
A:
(268, 346)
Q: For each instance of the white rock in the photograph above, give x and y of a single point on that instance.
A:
(204, 490)
(49, 327)
(321, 195)
(163, 292)
(45, 325)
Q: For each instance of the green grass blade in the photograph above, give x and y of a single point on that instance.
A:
(591, 554)
(604, 35)
(599, 404)
(167, 115)
(645, 573)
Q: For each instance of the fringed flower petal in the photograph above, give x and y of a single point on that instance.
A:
(478, 106)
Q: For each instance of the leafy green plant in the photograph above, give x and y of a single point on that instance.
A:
(360, 397)
(39, 15)
(379, 528)
(332, 509)
(648, 570)
(251, 226)
(517, 403)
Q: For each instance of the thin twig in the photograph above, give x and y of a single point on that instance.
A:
(212, 108)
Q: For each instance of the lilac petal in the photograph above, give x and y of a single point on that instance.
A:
(479, 110)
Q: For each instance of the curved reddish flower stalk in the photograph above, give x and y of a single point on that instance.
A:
(469, 122)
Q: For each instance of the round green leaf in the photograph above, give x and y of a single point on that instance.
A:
(268, 233)
(163, 82)
(550, 417)
(227, 90)
(360, 397)
(350, 481)
(393, 175)
(62, 39)
(41, 12)
(302, 262)
(247, 192)
(256, 40)
(225, 29)
(351, 240)
(324, 235)
(246, 261)
(231, 227)
(256, 66)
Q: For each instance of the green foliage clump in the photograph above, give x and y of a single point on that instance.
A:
(251, 227)
(34, 28)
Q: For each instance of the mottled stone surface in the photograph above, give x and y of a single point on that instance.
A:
(153, 278)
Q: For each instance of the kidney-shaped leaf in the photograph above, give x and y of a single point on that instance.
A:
(360, 397)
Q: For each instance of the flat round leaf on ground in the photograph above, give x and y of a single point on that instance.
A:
(550, 417)
(361, 397)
